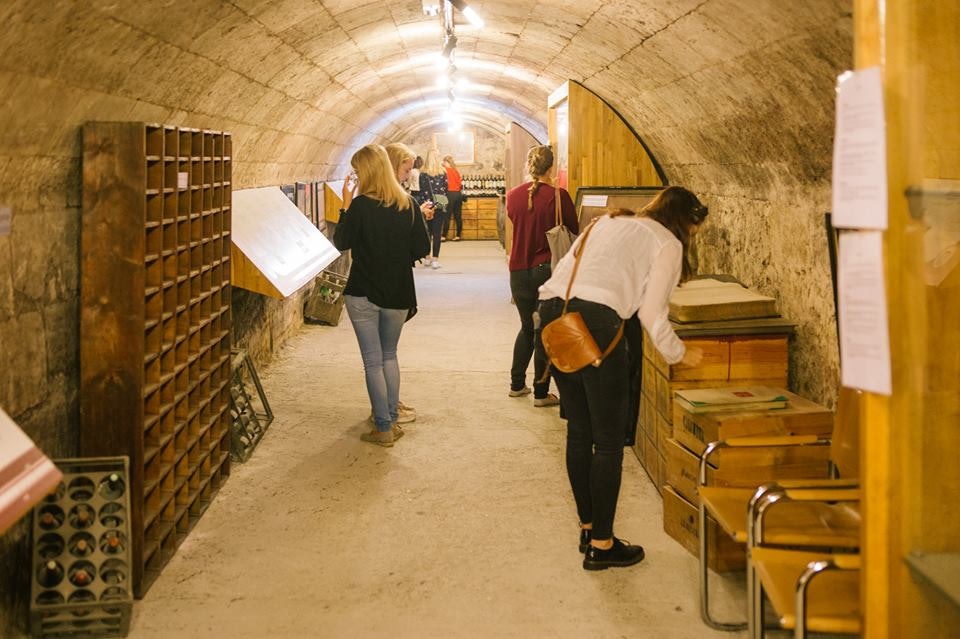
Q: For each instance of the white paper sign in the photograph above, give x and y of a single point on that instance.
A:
(594, 200)
(864, 336)
(183, 180)
(859, 152)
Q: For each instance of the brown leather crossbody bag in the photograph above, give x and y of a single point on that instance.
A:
(567, 339)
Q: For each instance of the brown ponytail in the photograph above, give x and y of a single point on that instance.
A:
(539, 162)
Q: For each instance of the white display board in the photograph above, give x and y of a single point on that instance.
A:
(278, 239)
(26, 475)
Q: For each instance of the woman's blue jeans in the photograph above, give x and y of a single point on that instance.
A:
(378, 331)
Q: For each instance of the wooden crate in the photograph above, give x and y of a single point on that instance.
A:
(681, 522)
(802, 417)
(746, 468)
(731, 350)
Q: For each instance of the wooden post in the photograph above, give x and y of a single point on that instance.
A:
(909, 476)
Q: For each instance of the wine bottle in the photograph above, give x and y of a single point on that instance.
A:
(112, 542)
(81, 516)
(81, 545)
(50, 517)
(111, 487)
(50, 574)
(81, 573)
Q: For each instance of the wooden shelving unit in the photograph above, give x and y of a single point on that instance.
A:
(479, 219)
(155, 323)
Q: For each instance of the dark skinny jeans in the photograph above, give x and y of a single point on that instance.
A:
(524, 287)
(454, 210)
(595, 403)
(436, 231)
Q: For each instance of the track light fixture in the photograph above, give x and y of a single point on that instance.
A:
(449, 44)
(468, 12)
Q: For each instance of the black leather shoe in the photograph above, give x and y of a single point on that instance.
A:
(619, 555)
(584, 539)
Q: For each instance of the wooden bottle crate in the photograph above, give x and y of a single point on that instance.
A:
(736, 353)
(741, 467)
(155, 323)
(801, 417)
(681, 521)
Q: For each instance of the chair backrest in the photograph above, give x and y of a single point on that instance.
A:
(845, 447)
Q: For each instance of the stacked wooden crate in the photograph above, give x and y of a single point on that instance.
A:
(735, 353)
(742, 467)
(479, 219)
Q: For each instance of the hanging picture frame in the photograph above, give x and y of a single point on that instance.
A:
(460, 144)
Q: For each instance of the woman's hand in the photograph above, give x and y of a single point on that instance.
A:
(428, 209)
(692, 356)
(349, 186)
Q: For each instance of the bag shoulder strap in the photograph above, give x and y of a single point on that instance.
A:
(576, 264)
(556, 207)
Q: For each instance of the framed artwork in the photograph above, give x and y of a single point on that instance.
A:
(594, 201)
(461, 145)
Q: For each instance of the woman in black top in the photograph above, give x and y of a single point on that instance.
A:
(433, 188)
(384, 232)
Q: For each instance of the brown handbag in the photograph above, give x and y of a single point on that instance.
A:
(567, 339)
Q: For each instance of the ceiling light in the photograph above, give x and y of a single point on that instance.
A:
(431, 7)
(468, 12)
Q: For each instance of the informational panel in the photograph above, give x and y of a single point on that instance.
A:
(864, 336)
(278, 243)
(594, 201)
(859, 152)
(26, 475)
(460, 144)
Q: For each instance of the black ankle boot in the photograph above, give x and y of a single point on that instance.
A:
(619, 554)
(584, 539)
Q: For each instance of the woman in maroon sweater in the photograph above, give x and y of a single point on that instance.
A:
(531, 209)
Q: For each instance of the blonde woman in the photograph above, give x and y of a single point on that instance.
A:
(402, 159)
(454, 196)
(433, 188)
(382, 229)
(531, 208)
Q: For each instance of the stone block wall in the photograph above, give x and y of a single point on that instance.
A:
(490, 148)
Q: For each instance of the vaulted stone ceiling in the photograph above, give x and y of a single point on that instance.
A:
(734, 98)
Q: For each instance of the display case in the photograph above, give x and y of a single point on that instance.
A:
(593, 201)
(155, 323)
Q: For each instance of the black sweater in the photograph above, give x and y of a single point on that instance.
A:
(385, 243)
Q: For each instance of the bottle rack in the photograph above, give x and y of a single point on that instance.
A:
(155, 323)
(490, 185)
(80, 577)
(249, 422)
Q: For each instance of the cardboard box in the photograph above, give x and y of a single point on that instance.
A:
(744, 468)
(681, 522)
(803, 417)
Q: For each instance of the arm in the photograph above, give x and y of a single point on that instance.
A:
(348, 227)
(663, 278)
(420, 238)
(568, 212)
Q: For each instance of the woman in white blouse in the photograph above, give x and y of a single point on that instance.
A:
(630, 265)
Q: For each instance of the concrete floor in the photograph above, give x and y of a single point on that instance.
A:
(466, 528)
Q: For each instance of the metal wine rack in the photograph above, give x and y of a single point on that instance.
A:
(251, 414)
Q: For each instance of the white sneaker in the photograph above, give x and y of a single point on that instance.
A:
(435, 264)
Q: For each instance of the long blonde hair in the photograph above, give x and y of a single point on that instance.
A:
(539, 162)
(377, 178)
(432, 165)
(399, 153)
(449, 160)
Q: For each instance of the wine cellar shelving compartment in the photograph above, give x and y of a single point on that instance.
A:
(155, 323)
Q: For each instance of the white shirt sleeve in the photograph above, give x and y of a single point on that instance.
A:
(663, 278)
